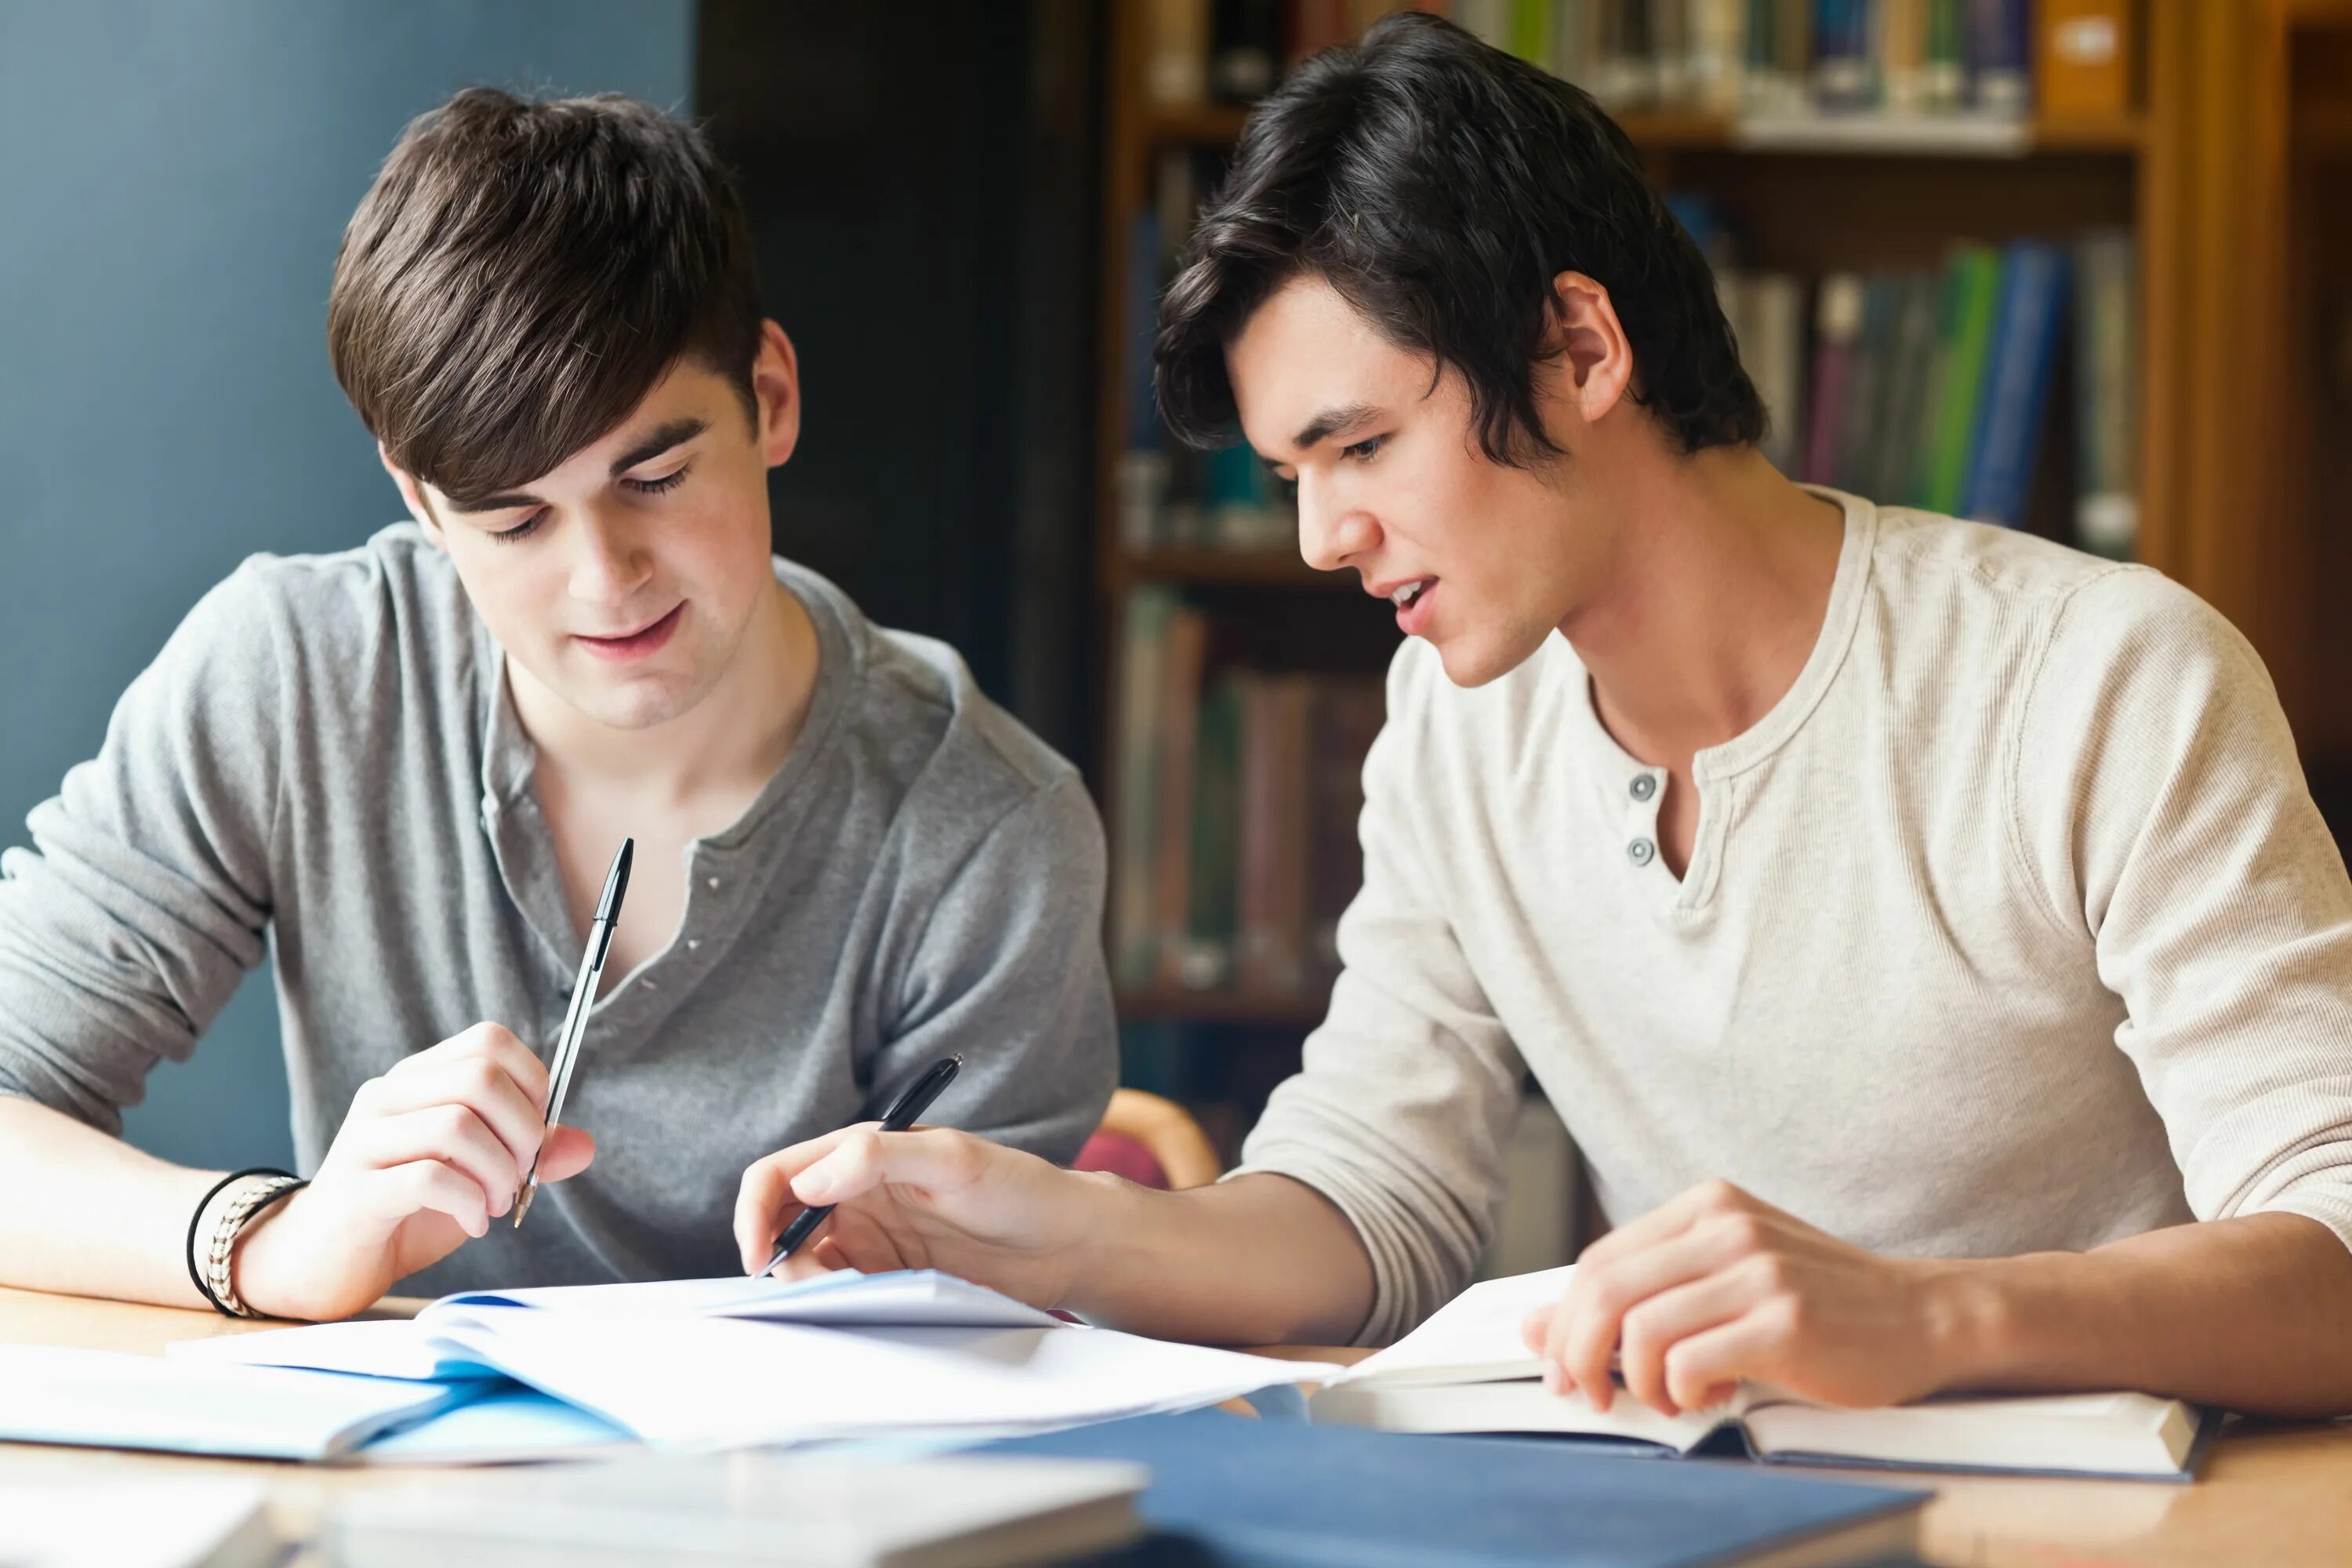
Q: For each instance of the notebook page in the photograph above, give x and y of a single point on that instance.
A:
(1474, 1337)
(107, 1399)
(901, 1295)
(369, 1347)
(724, 1381)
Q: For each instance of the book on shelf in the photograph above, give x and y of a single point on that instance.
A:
(2106, 379)
(1467, 1369)
(1932, 388)
(2084, 57)
(1772, 59)
(1235, 804)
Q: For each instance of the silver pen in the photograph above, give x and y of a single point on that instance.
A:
(576, 1017)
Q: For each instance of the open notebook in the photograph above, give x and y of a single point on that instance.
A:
(731, 1362)
(1467, 1369)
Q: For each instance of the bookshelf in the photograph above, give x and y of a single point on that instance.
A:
(2229, 166)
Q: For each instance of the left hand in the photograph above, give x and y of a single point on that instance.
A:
(1715, 1286)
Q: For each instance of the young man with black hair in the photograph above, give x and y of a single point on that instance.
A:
(407, 766)
(1923, 929)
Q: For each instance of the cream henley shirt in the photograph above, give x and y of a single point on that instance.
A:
(2010, 927)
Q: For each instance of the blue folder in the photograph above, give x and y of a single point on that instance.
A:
(1244, 1493)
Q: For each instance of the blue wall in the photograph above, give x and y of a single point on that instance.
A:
(176, 180)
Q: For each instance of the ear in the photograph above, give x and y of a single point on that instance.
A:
(776, 383)
(411, 495)
(1594, 353)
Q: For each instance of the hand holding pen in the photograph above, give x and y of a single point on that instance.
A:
(902, 1115)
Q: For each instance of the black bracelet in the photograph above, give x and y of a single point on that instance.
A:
(196, 1275)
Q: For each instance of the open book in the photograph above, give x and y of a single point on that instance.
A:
(1467, 1369)
(731, 1362)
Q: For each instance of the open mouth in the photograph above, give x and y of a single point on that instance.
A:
(638, 643)
(1404, 598)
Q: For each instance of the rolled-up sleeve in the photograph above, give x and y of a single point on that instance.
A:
(145, 894)
(2174, 825)
(1404, 1100)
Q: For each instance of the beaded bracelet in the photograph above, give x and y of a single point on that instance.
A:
(213, 1280)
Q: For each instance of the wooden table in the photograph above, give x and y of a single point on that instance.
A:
(2275, 1495)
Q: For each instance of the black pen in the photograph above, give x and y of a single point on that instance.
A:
(912, 1104)
(576, 1017)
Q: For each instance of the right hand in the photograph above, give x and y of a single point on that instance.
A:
(931, 1197)
(429, 1155)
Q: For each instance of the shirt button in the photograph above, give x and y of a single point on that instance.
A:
(648, 986)
(692, 943)
(711, 883)
(1643, 786)
(1641, 851)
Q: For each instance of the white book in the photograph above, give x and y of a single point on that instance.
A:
(1469, 1370)
(177, 1523)
(749, 1509)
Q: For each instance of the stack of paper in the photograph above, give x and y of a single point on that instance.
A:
(729, 1363)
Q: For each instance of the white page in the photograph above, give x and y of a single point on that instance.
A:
(371, 1347)
(902, 1296)
(1474, 1337)
(392, 1347)
(724, 1382)
(107, 1399)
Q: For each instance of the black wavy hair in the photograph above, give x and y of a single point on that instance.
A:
(1440, 186)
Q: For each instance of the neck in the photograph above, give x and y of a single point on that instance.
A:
(730, 742)
(1712, 602)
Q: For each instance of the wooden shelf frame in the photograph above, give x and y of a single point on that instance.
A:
(2213, 171)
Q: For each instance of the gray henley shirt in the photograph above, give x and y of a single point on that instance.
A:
(325, 758)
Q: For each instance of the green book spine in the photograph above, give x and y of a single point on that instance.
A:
(1216, 838)
(1972, 295)
(1531, 31)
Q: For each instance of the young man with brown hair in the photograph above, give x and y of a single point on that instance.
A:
(405, 767)
(1923, 929)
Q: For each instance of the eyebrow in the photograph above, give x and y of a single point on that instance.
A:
(659, 439)
(1331, 421)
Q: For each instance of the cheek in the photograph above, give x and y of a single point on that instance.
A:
(511, 586)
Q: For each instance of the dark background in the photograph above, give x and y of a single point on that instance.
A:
(919, 175)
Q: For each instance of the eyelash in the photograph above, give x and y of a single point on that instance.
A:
(530, 525)
(1363, 450)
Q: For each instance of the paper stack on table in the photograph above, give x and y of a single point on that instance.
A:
(733, 1362)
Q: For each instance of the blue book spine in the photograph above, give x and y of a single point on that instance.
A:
(2017, 389)
(1842, 58)
(2001, 55)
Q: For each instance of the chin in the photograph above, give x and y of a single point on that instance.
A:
(639, 706)
(1471, 662)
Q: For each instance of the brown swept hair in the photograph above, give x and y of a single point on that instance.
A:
(521, 275)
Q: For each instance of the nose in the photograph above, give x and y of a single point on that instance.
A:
(1331, 531)
(609, 564)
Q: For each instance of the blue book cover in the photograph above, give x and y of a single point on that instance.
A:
(2017, 383)
(1281, 1494)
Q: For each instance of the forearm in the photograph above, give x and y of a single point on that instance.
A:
(2245, 1313)
(93, 1216)
(1258, 1260)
